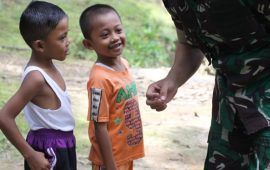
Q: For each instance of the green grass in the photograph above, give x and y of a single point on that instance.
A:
(149, 30)
(7, 89)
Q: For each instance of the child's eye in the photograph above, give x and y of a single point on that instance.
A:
(62, 38)
(104, 35)
(119, 30)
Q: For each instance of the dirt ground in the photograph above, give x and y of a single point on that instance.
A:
(175, 139)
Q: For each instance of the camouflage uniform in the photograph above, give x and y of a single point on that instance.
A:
(234, 36)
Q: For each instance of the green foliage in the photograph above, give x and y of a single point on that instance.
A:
(149, 29)
(9, 32)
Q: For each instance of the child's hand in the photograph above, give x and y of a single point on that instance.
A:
(37, 161)
(160, 93)
(154, 98)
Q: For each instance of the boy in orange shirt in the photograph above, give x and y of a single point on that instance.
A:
(115, 128)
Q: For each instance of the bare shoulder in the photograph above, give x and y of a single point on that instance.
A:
(30, 88)
(33, 80)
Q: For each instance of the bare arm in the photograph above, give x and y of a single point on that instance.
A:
(105, 145)
(186, 63)
(28, 90)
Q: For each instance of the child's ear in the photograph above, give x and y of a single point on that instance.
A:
(87, 44)
(38, 45)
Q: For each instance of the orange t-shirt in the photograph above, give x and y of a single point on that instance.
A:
(113, 99)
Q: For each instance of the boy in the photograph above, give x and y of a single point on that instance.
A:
(50, 143)
(115, 128)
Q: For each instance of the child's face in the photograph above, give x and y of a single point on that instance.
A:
(107, 37)
(57, 42)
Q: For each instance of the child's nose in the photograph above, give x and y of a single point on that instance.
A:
(68, 41)
(114, 37)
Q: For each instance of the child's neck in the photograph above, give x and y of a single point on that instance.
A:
(41, 62)
(115, 64)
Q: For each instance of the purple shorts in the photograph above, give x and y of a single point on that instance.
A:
(59, 147)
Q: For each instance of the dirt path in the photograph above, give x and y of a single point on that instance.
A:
(175, 139)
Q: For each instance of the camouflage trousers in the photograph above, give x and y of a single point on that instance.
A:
(236, 150)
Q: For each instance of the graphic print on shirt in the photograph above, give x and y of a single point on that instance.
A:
(133, 122)
(131, 91)
(132, 114)
(96, 95)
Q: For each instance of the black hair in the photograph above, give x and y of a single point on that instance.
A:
(38, 20)
(89, 13)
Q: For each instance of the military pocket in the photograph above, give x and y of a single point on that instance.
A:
(240, 142)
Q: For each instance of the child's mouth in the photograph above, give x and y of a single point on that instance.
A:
(115, 46)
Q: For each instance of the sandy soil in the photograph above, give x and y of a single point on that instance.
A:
(175, 139)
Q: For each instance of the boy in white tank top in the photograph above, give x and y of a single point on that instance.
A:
(50, 143)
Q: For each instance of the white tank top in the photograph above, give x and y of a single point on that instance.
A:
(39, 118)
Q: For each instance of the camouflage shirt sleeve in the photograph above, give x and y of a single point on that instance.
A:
(261, 8)
(171, 7)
